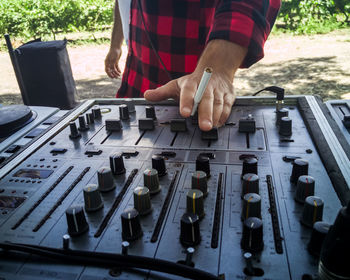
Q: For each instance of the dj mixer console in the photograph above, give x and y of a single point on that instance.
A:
(125, 189)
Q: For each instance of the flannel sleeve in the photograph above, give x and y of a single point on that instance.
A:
(247, 23)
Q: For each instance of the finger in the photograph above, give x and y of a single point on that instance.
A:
(169, 90)
(109, 72)
(229, 99)
(119, 72)
(187, 92)
(217, 107)
(205, 110)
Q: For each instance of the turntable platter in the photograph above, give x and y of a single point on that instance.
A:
(13, 117)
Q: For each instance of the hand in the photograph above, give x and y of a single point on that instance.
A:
(111, 63)
(215, 106)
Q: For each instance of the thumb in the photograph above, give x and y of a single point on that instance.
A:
(169, 90)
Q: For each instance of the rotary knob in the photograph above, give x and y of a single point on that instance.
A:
(131, 105)
(283, 112)
(151, 180)
(190, 232)
(131, 227)
(203, 164)
(92, 198)
(116, 162)
(313, 211)
(74, 133)
(96, 111)
(124, 112)
(199, 181)
(105, 179)
(82, 124)
(252, 236)
(142, 200)
(151, 112)
(76, 221)
(90, 118)
(319, 232)
(250, 184)
(285, 126)
(300, 167)
(158, 163)
(195, 202)
(305, 188)
(251, 206)
(250, 165)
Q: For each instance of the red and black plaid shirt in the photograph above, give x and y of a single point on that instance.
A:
(180, 30)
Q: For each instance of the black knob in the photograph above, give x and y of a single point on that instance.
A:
(250, 184)
(305, 188)
(335, 257)
(251, 206)
(74, 133)
(190, 232)
(300, 167)
(82, 124)
(319, 232)
(150, 112)
(252, 236)
(250, 165)
(131, 105)
(158, 163)
(142, 200)
(151, 180)
(199, 181)
(92, 198)
(203, 164)
(195, 202)
(313, 211)
(116, 162)
(285, 126)
(76, 221)
(131, 227)
(90, 118)
(124, 112)
(280, 114)
(96, 111)
(105, 179)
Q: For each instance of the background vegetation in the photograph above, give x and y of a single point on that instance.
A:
(41, 18)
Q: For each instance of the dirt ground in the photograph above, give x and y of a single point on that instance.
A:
(318, 64)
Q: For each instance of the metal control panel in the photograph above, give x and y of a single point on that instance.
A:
(77, 187)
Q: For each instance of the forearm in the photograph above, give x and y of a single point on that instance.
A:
(223, 56)
(117, 32)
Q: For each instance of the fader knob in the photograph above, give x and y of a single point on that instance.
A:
(105, 179)
(92, 198)
(195, 202)
(199, 181)
(250, 184)
(131, 227)
(150, 112)
(252, 236)
(82, 124)
(285, 126)
(116, 162)
(142, 200)
(203, 164)
(190, 232)
(74, 133)
(250, 165)
(300, 167)
(96, 111)
(319, 232)
(313, 211)
(158, 163)
(283, 112)
(305, 188)
(151, 180)
(124, 112)
(251, 206)
(76, 221)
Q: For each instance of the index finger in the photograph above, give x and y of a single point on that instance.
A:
(205, 110)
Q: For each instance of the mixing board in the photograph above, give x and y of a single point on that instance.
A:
(125, 189)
